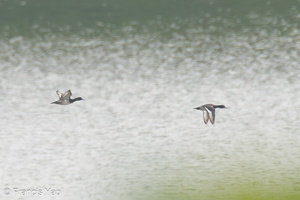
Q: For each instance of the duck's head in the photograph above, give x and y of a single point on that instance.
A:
(78, 99)
(220, 106)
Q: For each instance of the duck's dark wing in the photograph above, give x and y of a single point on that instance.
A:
(211, 113)
(59, 94)
(67, 95)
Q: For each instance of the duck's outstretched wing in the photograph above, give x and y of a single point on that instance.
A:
(67, 95)
(59, 94)
(211, 114)
(205, 116)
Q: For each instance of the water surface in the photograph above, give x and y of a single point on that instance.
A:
(136, 135)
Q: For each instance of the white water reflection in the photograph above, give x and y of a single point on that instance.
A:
(136, 135)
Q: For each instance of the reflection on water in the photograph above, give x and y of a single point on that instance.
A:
(136, 135)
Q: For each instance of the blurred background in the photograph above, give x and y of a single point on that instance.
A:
(142, 66)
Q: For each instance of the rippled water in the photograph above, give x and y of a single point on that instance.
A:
(136, 135)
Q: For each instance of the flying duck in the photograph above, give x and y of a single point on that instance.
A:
(209, 112)
(64, 98)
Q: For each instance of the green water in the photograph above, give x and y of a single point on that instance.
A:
(20, 17)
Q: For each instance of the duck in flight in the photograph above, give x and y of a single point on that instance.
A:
(209, 112)
(65, 98)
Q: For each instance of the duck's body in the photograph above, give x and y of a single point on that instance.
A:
(209, 112)
(65, 98)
